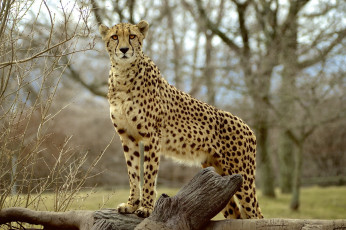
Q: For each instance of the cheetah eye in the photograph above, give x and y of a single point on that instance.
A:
(114, 37)
(132, 36)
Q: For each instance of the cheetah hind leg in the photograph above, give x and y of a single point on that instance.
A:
(244, 204)
(239, 206)
(249, 203)
(232, 211)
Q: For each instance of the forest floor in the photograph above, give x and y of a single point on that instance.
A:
(316, 202)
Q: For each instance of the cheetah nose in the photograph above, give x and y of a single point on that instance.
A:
(124, 50)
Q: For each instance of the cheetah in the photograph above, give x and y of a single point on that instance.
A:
(145, 108)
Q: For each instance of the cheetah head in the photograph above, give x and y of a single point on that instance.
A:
(124, 41)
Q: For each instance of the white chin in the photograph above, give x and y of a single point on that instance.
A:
(124, 59)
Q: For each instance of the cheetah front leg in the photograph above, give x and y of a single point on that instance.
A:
(151, 167)
(131, 152)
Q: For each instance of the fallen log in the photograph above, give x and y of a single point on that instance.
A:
(277, 224)
(72, 220)
(194, 205)
(192, 208)
(113, 220)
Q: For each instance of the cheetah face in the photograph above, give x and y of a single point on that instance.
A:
(124, 41)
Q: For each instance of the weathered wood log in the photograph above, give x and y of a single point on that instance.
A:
(277, 224)
(72, 220)
(130, 221)
(110, 219)
(195, 204)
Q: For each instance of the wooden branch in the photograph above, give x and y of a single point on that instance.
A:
(96, 10)
(91, 87)
(241, 10)
(71, 220)
(211, 26)
(324, 52)
(37, 55)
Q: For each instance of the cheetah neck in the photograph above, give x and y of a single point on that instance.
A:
(122, 78)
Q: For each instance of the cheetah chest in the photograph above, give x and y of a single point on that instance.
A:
(123, 113)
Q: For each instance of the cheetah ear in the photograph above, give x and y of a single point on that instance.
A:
(143, 27)
(103, 30)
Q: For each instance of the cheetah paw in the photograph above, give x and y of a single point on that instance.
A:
(143, 212)
(125, 208)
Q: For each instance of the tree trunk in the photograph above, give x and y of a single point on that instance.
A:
(261, 121)
(295, 202)
(259, 85)
(286, 153)
(287, 96)
(177, 52)
(209, 72)
(265, 168)
(14, 164)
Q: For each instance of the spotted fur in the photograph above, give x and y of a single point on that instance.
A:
(145, 108)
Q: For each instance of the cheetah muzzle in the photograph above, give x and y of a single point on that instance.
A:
(145, 108)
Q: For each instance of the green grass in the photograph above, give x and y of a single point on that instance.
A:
(316, 202)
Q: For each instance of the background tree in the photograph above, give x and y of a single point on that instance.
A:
(289, 93)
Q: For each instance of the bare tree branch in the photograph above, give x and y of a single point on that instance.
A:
(295, 7)
(93, 88)
(131, 5)
(215, 29)
(96, 10)
(241, 9)
(39, 54)
(116, 6)
(323, 53)
(5, 8)
(267, 18)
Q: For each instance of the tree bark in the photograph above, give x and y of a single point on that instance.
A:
(264, 159)
(193, 207)
(111, 220)
(286, 159)
(295, 201)
(286, 95)
(276, 224)
(209, 72)
(71, 220)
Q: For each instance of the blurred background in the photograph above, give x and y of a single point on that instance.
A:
(277, 64)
